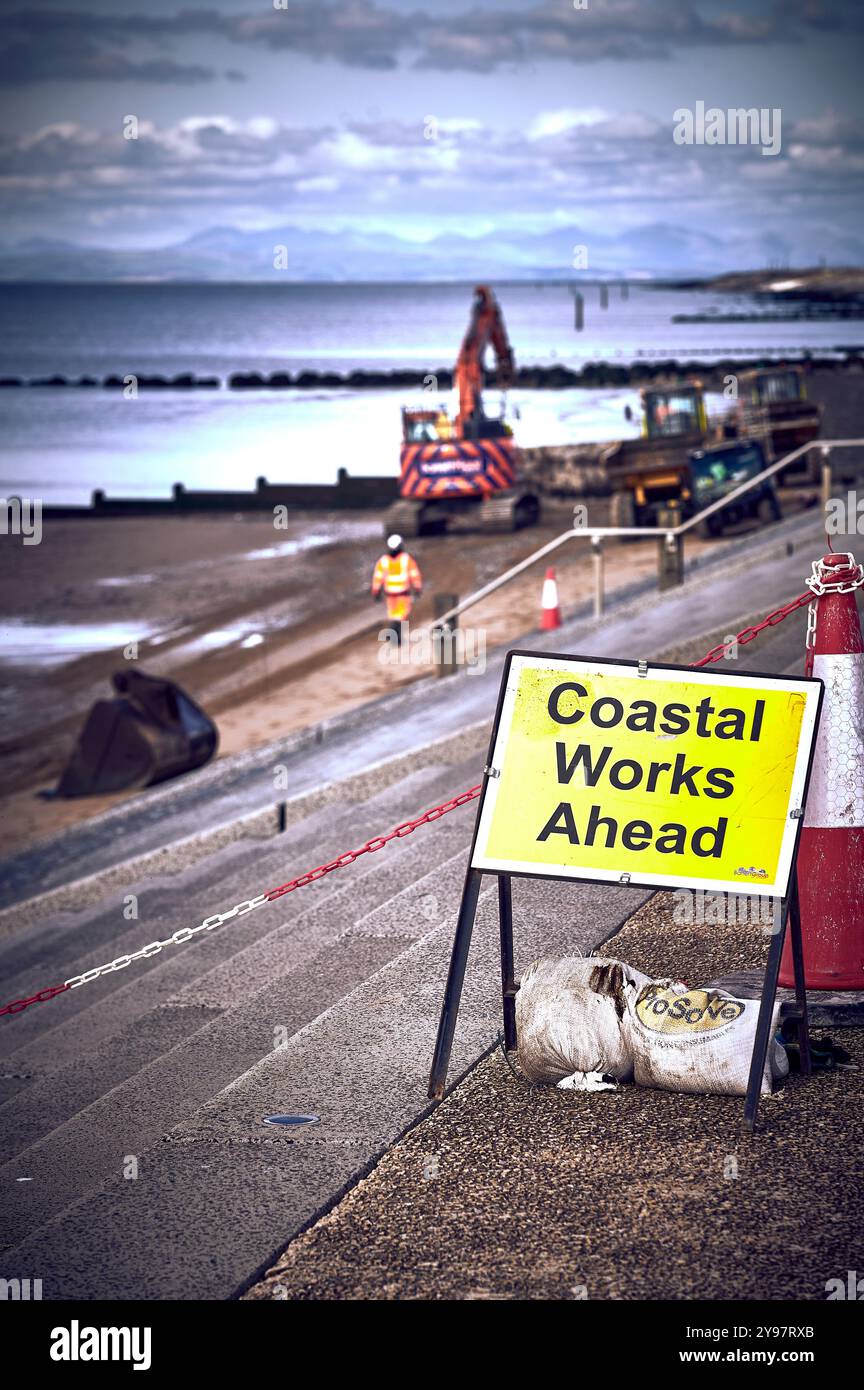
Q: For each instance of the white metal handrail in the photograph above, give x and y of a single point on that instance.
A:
(598, 533)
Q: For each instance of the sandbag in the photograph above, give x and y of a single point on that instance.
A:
(571, 1016)
(697, 1040)
(583, 1018)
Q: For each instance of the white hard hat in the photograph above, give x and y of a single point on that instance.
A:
(394, 542)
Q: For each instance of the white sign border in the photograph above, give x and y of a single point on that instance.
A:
(518, 661)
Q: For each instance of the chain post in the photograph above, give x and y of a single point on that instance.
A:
(825, 454)
(444, 634)
(670, 548)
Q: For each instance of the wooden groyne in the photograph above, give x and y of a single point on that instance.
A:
(346, 494)
(557, 377)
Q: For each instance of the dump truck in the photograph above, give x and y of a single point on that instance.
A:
(467, 468)
(695, 478)
(773, 408)
(649, 472)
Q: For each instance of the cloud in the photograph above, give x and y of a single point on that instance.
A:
(58, 46)
(572, 164)
(555, 122)
(79, 45)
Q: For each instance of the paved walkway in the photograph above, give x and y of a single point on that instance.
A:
(505, 1193)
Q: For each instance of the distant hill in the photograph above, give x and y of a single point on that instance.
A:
(654, 250)
(823, 282)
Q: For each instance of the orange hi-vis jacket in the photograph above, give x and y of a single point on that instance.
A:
(400, 578)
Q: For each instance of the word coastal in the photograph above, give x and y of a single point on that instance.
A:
(592, 767)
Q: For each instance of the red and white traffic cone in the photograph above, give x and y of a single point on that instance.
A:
(831, 852)
(550, 612)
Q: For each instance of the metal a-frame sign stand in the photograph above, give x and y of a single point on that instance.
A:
(790, 919)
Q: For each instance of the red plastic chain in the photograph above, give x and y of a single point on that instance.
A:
(18, 1005)
(409, 826)
(372, 846)
(748, 633)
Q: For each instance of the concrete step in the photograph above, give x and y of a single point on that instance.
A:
(163, 1052)
(361, 1065)
(235, 873)
(101, 1137)
(58, 1093)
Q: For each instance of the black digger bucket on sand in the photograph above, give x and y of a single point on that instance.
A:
(150, 732)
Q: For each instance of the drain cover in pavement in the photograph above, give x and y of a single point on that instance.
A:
(290, 1119)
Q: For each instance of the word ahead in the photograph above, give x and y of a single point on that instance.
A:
(666, 777)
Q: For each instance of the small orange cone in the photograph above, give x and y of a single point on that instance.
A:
(550, 612)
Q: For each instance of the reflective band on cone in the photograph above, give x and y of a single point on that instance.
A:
(831, 853)
(550, 615)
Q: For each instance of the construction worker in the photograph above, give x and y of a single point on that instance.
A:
(397, 578)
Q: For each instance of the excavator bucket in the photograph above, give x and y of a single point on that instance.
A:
(150, 732)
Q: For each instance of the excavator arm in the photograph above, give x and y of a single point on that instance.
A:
(486, 326)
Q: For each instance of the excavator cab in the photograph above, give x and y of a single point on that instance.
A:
(152, 731)
(421, 426)
(771, 387)
(674, 413)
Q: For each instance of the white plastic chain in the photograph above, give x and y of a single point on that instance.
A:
(817, 586)
(816, 583)
(177, 939)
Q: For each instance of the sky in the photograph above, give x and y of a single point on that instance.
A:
(456, 116)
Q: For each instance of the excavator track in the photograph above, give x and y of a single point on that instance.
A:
(404, 517)
(508, 511)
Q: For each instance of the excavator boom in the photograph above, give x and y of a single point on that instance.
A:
(486, 326)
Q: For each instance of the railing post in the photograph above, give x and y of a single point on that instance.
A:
(444, 636)
(670, 549)
(826, 478)
(599, 588)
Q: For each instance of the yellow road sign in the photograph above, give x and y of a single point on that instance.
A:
(672, 777)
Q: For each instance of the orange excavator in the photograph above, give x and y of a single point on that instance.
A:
(465, 468)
